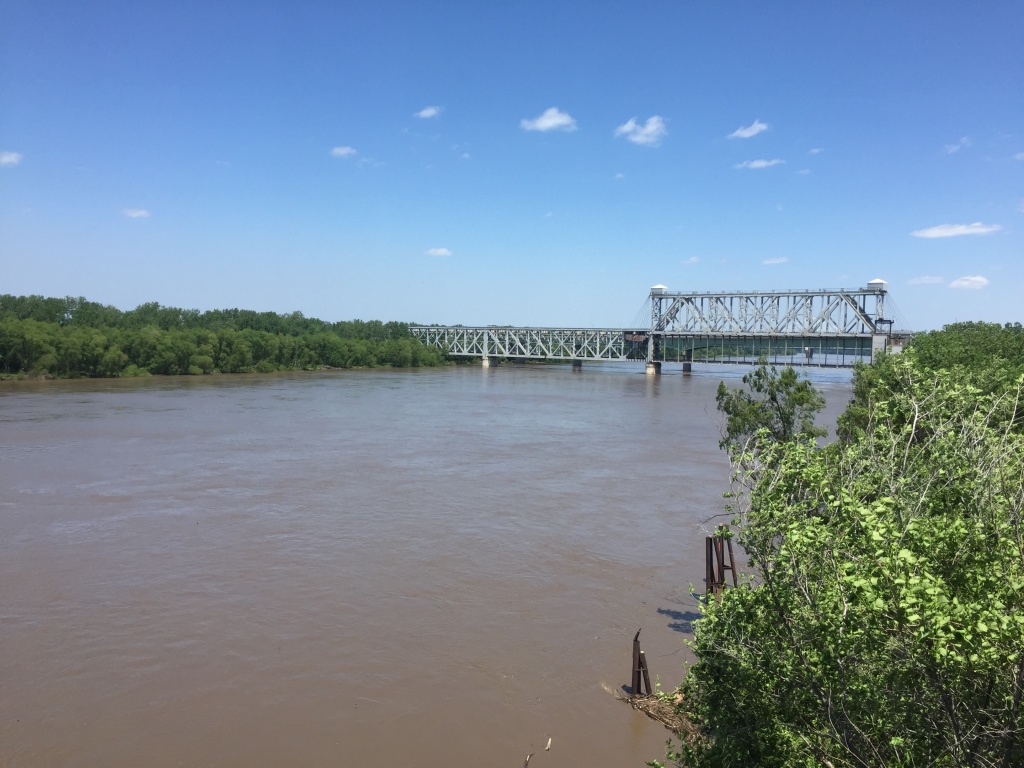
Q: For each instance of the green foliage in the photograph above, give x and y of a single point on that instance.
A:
(778, 407)
(74, 337)
(884, 622)
(988, 356)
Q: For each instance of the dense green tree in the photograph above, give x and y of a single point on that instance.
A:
(75, 337)
(775, 405)
(883, 621)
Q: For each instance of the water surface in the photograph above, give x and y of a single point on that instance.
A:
(403, 568)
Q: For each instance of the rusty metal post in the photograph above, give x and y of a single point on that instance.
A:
(720, 570)
(732, 561)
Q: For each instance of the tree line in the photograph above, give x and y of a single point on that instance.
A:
(881, 619)
(70, 337)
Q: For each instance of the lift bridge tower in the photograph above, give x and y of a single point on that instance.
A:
(713, 324)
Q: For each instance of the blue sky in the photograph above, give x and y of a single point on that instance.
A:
(527, 163)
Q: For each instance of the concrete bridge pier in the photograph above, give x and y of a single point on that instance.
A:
(577, 365)
(653, 368)
(488, 361)
(688, 361)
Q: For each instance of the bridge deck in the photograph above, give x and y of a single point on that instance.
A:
(633, 344)
(823, 327)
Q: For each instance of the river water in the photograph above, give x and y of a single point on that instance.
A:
(404, 568)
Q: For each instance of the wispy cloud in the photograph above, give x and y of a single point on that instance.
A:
(343, 152)
(759, 163)
(691, 260)
(438, 252)
(1018, 156)
(649, 134)
(135, 213)
(804, 172)
(10, 158)
(955, 230)
(951, 149)
(428, 112)
(815, 151)
(926, 280)
(776, 260)
(620, 176)
(751, 130)
(970, 282)
(552, 119)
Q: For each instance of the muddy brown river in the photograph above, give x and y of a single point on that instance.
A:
(397, 568)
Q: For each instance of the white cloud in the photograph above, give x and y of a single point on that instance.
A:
(343, 152)
(691, 260)
(620, 176)
(804, 172)
(135, 213)
(971, 282)
(10, 158)
(649, 134)
(428, 112)
(438, 252)
(815, 151)
(551, 120)
(751, 130)
(954, 148)
(926, 280)
(955, 230)
(759, 163)
(777, 260)
(1018, 156)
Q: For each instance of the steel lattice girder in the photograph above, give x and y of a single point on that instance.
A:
(842, 312)
(532, 343)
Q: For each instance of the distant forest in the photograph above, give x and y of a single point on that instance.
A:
(72, 337)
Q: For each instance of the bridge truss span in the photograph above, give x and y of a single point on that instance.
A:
(537, 343)
(824, 328)
(847, 312)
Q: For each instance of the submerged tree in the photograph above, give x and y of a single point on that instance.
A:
(778, 402)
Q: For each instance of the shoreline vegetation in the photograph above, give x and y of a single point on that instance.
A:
(880, 617)
(63, 338)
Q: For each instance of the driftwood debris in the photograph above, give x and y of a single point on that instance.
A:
(665, 711)
(657, 707)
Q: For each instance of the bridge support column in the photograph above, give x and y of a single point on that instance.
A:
(688, 361)
(577, 365)
(653, 369)
(877, 345)
(488, 361)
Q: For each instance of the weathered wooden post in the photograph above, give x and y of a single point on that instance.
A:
(647, 674)
(732, 560)
(636, 664)
(709, 571)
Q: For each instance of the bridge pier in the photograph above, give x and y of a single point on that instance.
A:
(688, 361)
(487, 361)
(653, 368)
(577, 365)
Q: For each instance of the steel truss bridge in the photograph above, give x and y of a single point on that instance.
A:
(823, 328)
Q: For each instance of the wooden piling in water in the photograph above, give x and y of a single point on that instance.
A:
(647, 674)
(718, 549)
(636, 664)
